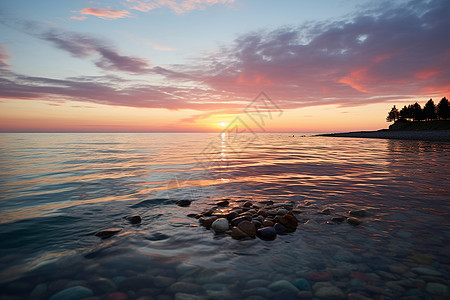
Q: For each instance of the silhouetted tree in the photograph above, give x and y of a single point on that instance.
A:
(443, 109)
(393, 115)
(406, 112)
(417, 112)
(429, 110)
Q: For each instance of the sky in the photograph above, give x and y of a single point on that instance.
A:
(200, 65)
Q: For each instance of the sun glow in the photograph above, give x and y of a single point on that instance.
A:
(223, 124)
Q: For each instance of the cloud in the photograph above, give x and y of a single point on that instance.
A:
(106, 14)
(177, 6)
(377, 55)
(105, 56)
(4, 55)
(79, 18)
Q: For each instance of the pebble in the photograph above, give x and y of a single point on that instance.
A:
(184, 296)
(280, 229)
(259, 291)
(237, 234)
(38, 291)
(330, 292)
(256, 283)
(426, 271)
(106, 233)
(318, 276)
(283, 285)
(338, 219)
(282, 211)
(311, 224)
(326, 211)
(268, 223)
(73, 293)
(220, 225)
(262, 212)
(162, 281)
(289, 221)
(267, 233)
(356, 296)
(117, 296)
(248, 228)
(183, 203)
(247, 204)
(302, 284)
(422, 259)
(354, 221)
(103, 284)
(437, 289)
(398, 268)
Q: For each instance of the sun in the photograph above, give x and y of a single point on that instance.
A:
(223, 124)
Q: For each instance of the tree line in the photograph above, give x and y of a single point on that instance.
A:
(414, 112)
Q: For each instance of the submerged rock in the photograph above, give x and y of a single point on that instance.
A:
(106, 233)
(238, 234)
(134, 219)
(183, 203)
(289, 221)
(248, 228)
(220, 225)
(354, 221)
(223, 203)
(361, 213)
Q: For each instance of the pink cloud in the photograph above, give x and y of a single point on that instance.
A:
(106, 14)
(80, 18)
(179, 7)
(4, 55)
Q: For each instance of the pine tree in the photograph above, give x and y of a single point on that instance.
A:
(393, 115)
(443, 109)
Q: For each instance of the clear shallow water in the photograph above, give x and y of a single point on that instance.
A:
(58, 190)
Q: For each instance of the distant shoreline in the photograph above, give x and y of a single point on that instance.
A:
(423, 135)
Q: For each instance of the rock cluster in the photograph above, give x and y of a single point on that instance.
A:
(249, 220)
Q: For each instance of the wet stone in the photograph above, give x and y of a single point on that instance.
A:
(289, 221)
(353, 221)
(117, 296)
(326, 211)
(248, 228)
(437, 289)
(305, 295)
(134, 219)
(262, 212)
(302, 284)
(185, 287)
(257, 224)
(106, 233)
(247, 204)
(238, 220)
(280, 229)
(163, 281)
(238, 234)
(426, 271)
(282, 211)
(73, 293)
(266, 233)
(360, 213)
(283, 285)
(183, 203)
(422, 259)
(268, 223)
(223, 203)
(330, 292)
(338, 219)
(256, 283)
(220, 225)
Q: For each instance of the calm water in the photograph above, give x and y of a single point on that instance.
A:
(58, 190)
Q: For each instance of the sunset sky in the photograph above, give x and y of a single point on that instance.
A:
(189, 65)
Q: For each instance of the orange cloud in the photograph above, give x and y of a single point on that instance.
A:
(179, 7)
(425, 74)
(355, 80)
(103, 13)
(253, 80)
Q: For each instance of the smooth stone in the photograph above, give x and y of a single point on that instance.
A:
(262, 212)
(117, 296)
(302, 284)
(157, 236)
(257, 224)
(437, 289)
(236, 221)
(282, 211)
(185, 269)
(256, 283)
(266, 233)
(134, 219)
(280, 229)
(426, 271)
(338, 219)
(353, 221)
(223, 203)
(207, 221)
(255, 297)
(283, 285)
(272, 212)
(268, 223)
(73, 293)
(356, 296)
(305, 295)
(330, 292)
(318, 285)
(289, 221)
(238, 234)
(105, 233)
(398, 268)
(136, 283)
(356, 282)
(183, 203)
(395, 287)
(184, 287)
(248, 228)
(220, 225)
(360, 213)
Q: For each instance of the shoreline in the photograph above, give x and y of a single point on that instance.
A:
(425, 135)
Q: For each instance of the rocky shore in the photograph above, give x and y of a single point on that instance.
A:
(425, 135)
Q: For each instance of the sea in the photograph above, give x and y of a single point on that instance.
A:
(58, 190)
